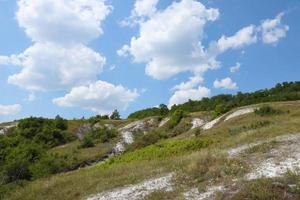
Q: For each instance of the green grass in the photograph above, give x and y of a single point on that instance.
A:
(82, 154)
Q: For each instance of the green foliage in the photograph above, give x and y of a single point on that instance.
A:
(221, 109)
(19, 159)
(87, 142)
(98, 135)
(50, 164)
(162, 110)
(225, 102)
(97, 118)
(266, 111)
(147, 139)
(256, 125)
(27, 144)
(175, 118)
(182, 127)
(162, 150)
(115, 115)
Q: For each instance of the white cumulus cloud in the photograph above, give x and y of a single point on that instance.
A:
(170, 40)
(243, 37)
(60, 31)
(47, 66)
(10, 109)
(100, 97)
(273, 30)
(182, 96)
(142, 9)
(191, 83)
(225, 83)
(62, 21)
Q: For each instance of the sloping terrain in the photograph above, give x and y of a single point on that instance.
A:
(229, 157)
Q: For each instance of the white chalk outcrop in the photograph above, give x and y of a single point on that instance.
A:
(212, 123)
(197, 122)
(163, 122)
(138, 191)
(239, 112)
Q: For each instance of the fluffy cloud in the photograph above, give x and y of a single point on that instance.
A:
(193, 82)
(100, 97)
(273, 30)
(59, 57)
(10, 109)
(50, 66)
(243, 37)
(225, 83)
(182, 96)
(170, 40)
(145, 7)
(142, 9)
(235, 68)
(70, 21)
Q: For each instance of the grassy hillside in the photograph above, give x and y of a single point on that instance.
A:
(198, 159)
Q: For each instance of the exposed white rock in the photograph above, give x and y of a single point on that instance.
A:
(163, 122)
(284, 158)
(194, 194)
(109, 126)
(212, 123)
(283, 138)
(128, 137)
(138, 191)
(134, 126)
(239, 112)
(119, 148)
(197, 122)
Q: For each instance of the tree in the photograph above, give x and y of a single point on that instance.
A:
(115, 115)
(61, 123)
(163, 109)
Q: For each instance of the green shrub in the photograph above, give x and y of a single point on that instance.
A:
(18, 161)
(221, 109)
(256, 125)
(182, 127)
(266, 111)
(147, 139)
(102, 135)
(49, 164)
(87, 142)
(175, 118)
(162, 150)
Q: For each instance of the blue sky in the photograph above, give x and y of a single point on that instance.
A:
(80, 58)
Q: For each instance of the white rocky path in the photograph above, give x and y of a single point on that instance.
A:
(138, 191)
(227, 117)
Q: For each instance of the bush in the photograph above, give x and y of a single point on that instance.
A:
(221, 109)
(49, 164)
(175, 118)
(253, 126)
(267, 110)
(102, 135)
(87, 142)
(163, 150)
(18, 161)
(148, 139)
